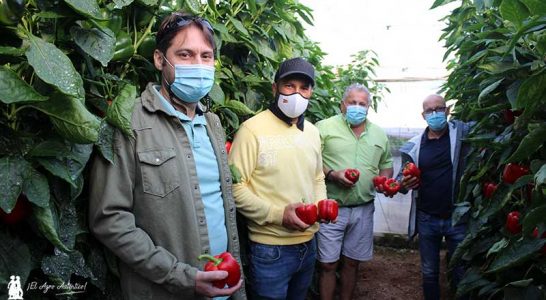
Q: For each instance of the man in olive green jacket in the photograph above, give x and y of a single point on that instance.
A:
(167, 197)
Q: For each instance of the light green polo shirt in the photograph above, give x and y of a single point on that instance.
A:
(341, 149)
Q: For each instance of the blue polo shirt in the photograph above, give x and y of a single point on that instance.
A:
(436, 176)
(208, 174)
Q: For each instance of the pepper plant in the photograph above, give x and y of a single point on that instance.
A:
(498, 79)
(71, 72)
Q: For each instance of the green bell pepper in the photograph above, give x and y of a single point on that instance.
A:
(124, 47)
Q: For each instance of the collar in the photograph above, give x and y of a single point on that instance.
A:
(274, 108)
(170, 110)
(425, 138)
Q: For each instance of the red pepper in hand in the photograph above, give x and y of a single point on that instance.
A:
(352, 175)
(489, 189)
(327, 210)
(391, 187)
(410, 169)
(535, 235)
(513, 171)
(223, 262)
(379, 180)
(512, 222)
(307, 213)
(228, 146)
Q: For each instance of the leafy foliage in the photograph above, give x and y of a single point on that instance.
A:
(71, 72)
(498, 79)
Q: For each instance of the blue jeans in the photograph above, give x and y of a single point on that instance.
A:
(281, 272)
(431, 231)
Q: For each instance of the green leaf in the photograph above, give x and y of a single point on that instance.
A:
(536, 7)
(36, 188)
(238, 107)
(531, 92)
(533, 218)
(498, 246)
(148, 2)
(13, 171)
(540, 176)
(193, 5)
(68, 168)
(438, 3)
(88, 8)
(63, 265)
(14, 90)
(490, 88)
(99, 44)
(54, 67)
(122, 3)
(106, 140)
(15, 259)
(460, 210)
(46, 222)
(529, 145)
(50, 148)
(238, 25)
(514, 11)
(515, 254)
(119, 113)
(12, 51)
(471, 281)
(216, 94)
(57, 168)
(70, 118)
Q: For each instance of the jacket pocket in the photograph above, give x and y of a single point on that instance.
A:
(158, 169)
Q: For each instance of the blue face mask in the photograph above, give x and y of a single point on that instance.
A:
(356, 114)
(192, 82)
(436, 120)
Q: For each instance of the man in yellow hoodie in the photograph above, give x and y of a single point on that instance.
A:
(278, 155)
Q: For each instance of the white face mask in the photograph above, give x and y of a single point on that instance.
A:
(293, 105)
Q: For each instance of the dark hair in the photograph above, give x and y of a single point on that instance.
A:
(177, 21)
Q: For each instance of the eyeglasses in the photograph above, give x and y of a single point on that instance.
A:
(437, 109)
(181, 21)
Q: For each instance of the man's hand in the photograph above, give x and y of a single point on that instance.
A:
(410, 182)
(338, 177)
(290, 220)
(204, 280)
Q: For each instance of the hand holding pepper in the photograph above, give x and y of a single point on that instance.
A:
(391, 187)
(412, 176)
(352, 175)
(204, 284)
(223, 262)
(339, 178)
(291, 220)
(307, 213)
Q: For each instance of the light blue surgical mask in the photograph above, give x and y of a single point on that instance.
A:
(436, 120)
(192, 82)
(356, 114)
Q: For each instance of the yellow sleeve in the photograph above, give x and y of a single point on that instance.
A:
(243, 157)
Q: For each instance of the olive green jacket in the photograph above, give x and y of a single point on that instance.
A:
(147, 209)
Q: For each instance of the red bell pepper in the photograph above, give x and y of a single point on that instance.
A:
(20, 211)
(512, 222)
(352, 175)
(327, 210)
(223, 262)
(489, 189)
(535, 235)
(513, 171)
(391, 187)
(379, 180)
(411, 170)
(228, 146)
(307, 213)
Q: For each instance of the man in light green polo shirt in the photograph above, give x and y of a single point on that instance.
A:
(349, 141)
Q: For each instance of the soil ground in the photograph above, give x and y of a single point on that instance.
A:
(394, 274)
